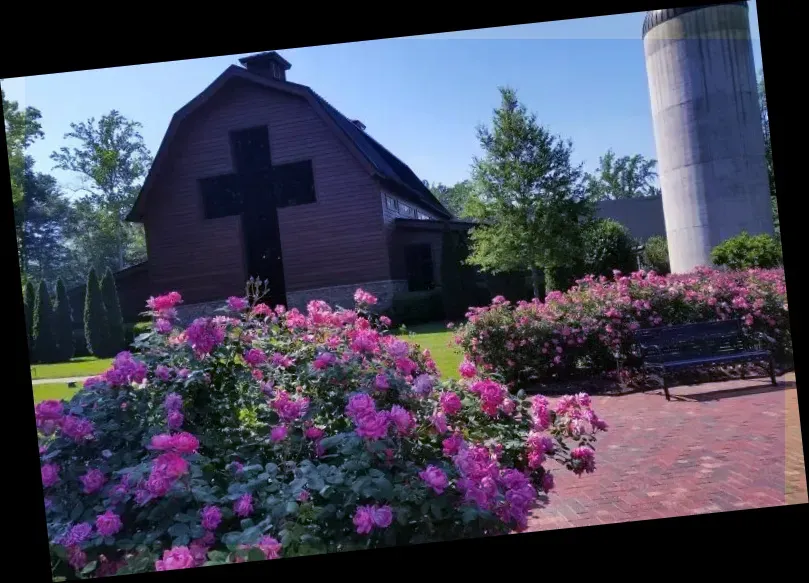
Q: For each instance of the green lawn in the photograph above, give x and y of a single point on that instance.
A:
(77, 367)
(439, 341)
(56, 391)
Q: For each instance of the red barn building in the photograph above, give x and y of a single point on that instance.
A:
(260, 176)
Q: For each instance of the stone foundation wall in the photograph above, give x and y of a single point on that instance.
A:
(343, 295)
(187, 313)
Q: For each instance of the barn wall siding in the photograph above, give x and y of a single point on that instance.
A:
(338, 240)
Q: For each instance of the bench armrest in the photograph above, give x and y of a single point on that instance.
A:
(763, 338)
(646, 349)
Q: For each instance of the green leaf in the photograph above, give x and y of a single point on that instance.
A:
(89, 568)
(292, 507)
(256, 554)
(179, 529)
(76, 512)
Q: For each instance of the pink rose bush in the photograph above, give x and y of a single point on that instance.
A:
(585, 328)
(270, 432)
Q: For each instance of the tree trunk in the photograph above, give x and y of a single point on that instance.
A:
(535, 280)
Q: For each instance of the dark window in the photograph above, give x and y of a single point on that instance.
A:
(221, 196)
(423, 217)
(294, 184)
(392, 203)
(419, 264)
(251, 150)
(404, 209)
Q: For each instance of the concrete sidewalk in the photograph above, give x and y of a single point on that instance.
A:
(62, 380)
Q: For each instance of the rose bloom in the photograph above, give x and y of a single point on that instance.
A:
(364, 519)
(175, 558)
(92, 481)
(244, 506)
(109, 523)
(211, 517)
(435, 478)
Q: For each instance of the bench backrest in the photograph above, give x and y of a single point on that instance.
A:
(693, 339)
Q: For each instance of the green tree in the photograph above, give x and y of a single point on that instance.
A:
(114, 318)
(47, 221)
(608, 245)
(29, 301)
(112, 159)
(624, 177)
(44, 333)
(22, 128)
(96, 328)
(765, 126)
(529, 199)
(64, 323)
(454, 198)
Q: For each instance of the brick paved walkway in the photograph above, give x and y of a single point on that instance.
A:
(715, 447)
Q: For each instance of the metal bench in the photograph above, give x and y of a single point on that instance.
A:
(673, 348)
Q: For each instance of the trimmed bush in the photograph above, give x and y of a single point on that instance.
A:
(655, 256)
(45, 347)
(417, 307)
(80, 343)
(29, 303)
(608, 246)
(513, 285)
(583, 329)
(263, 433)
(64, 323)
(96, 328)
(748, 252)
(115, 321)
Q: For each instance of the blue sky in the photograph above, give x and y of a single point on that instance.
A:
(421, 97)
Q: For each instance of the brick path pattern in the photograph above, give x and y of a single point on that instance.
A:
(715, 447)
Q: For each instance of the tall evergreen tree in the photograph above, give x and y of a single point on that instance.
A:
(96, 328)
(114, 319)
(29, 301)
(64, 323)
(529, 200)
(44, 336)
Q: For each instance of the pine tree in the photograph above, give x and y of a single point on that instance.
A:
(44, 336)
(64, 323)
(96, 328)
(114, 319)
(29, 301)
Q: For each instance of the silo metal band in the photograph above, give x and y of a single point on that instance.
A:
(656, 17)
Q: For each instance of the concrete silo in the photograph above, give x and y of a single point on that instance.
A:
(707, 125)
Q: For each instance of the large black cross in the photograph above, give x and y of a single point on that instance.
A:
(256, 191)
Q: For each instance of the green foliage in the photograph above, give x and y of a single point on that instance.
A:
(22, 128)
(349, 456)
(114, 319)
(44, 341)
(746, 251)
(563, 277)
(608, 245)
(765, 126)
(655, 255)
(417, 307)
(113, 160)
(579, 332)
(528, 200)
(29, 302)
(624, 177)
(96, 327)
(64, 323)
(512, 285)
(454, 198)
(457, 279)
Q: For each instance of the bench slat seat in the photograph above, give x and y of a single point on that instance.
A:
(673, 348)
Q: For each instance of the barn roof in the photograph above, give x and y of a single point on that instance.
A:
(379, 161)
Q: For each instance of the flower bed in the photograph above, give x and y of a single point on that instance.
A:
(263, 433)
(584, 328)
